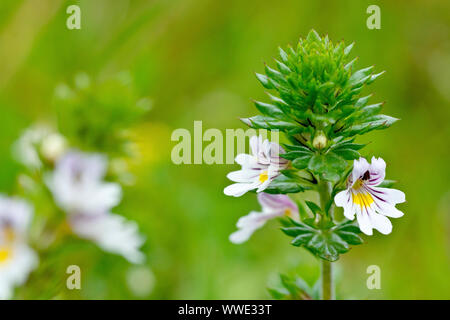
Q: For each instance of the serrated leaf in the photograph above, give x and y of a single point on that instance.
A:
(265, 81)
(329, 165)
(361, 102)
(313, 207)
(374, 77)
(360, 75)
(347, 154)
(283, 55)
(283, 185)
(301, 162)
(348, 49)
(373, 123)
(284, 69)
(328, 242)
(270, 110)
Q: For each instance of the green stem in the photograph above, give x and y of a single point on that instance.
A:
(327, 292)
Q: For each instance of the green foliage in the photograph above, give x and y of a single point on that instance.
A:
(327, 241)
(294, 288)
(318, 92)
(95, 115)
(286, 184)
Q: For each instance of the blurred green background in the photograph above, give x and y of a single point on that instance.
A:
(196, 60)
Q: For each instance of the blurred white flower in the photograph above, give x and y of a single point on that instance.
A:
(258, 170)
(78, 188)
(17, 259)
(371, 204)
(36, 141)
(273, 206)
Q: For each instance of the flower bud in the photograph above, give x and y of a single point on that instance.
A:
(320, 140)
(53, 147)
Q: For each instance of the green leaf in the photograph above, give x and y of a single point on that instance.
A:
(387, 184)
(348, 232)
(291, 288)
(270, 110)
(313, 207)
(283, 55)
(348, 49)
(360, 75)
(264, 81)
(301, 162)
(278, 293)
(347, 154)
(330, 166)
(374, 77)
(283, 185)
(373, 123)
(326, 243)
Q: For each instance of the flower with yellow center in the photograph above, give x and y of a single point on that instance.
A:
(17, 259)
(273, 206)
(371, 204)
(258, 169)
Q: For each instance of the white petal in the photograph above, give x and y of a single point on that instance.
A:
(377, 171)
(245, 175)
(276, 202)
(255, 142)
(248, 161)
(264, 185)
(240, 236)
(249, 224)
(15, 271)
(381, 223)
(112, 233)
(387, 209)
(364, 222)
(360, 166)
(343, 199)
(392, 196)
(238, 189)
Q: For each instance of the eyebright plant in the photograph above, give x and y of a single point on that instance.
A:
(316, 100)
(69, 186)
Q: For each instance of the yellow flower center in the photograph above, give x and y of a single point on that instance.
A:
(9, 234)
(358, 184)
(5, 254)
(263, 176)
(362, 199)
(288, 213)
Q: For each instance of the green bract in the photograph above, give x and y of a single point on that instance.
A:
(316, 101)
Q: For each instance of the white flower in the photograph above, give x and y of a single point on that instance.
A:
(17, 259)
(371, 204)
(36, 140)
(273, 205)
(112, 233)
(258, 170)
(78, 188)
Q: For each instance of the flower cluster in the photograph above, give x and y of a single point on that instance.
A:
(70, 193)
(317, 103)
